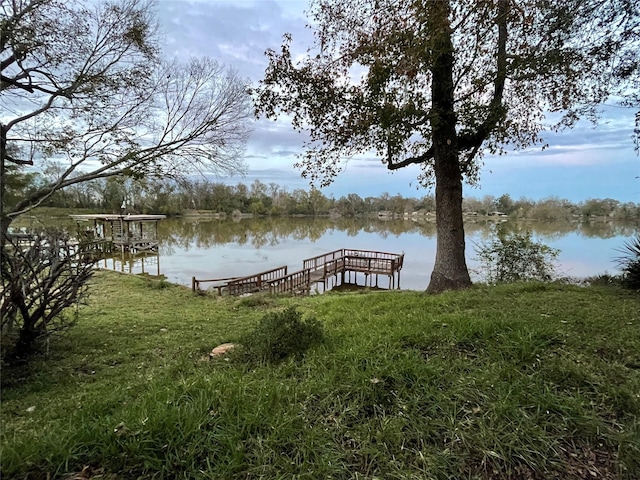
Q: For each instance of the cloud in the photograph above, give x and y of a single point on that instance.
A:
(289, 179)
(583, 162)
(270, 136)
(236, 33)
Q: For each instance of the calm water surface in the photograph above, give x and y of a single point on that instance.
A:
(209, 248)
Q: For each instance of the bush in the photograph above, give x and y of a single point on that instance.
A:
(629, 263)
(42, 275)
(513, 257)
(280, 335)
(604, 280)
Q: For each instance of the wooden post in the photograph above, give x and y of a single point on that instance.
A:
(193, 284)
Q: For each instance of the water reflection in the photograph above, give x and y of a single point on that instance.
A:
(145, 263)
(212, 248)
(261, 232)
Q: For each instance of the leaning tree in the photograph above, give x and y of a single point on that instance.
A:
(83, 85)
(439, 83)
(84, 93)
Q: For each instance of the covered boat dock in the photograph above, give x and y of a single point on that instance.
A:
(124, 233)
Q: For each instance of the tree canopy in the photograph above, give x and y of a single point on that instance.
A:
(440, 83)
(84, 86)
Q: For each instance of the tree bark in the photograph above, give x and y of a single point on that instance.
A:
(450, 270)
(4, 223)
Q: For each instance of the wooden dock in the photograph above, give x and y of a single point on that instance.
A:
(329, 268)
(126, 233)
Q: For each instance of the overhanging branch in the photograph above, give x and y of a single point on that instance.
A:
(17, 161)
(391, 165)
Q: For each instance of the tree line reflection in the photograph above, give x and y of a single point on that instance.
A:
(202, 232)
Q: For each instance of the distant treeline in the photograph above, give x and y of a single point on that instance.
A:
(179, 197)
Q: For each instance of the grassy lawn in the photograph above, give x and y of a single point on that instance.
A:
(525, 381)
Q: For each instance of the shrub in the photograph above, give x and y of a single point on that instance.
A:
(280, 335)
(629, 263)
(513, 257)
(42, 275)
(158, 284)
(604, 280)
(256, 301)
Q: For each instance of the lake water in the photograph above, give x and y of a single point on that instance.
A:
(210, 248)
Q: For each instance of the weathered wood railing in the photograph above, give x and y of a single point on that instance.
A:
(240, 285)
(369, 262)
(370, 254)
(332, 267)
(255, 283)
(356, 260)
(195, 283)
(296, 282)
(315, 263)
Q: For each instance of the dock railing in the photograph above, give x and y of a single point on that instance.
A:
(315, 263)
(315, 269)
(240, 285)
(195, 283)
(356, 260)
(296, 282)
(369, 261)
(255, 283)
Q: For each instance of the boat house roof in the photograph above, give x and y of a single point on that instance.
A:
(112, 217)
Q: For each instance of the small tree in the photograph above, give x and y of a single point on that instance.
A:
(84, 92)
(42, 275)
(513, 257)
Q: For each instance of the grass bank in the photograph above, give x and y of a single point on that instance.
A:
(521, 381)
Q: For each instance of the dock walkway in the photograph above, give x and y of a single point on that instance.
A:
(329, 267)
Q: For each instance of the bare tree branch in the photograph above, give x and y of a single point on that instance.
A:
(104, 105)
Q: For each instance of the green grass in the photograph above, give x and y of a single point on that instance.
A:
(528, 381)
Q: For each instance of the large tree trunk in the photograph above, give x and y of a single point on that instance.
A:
(4, 221)
(450, 269)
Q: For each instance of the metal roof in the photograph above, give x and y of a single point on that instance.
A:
(112, 217)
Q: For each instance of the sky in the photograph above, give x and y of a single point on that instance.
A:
(585, 162)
